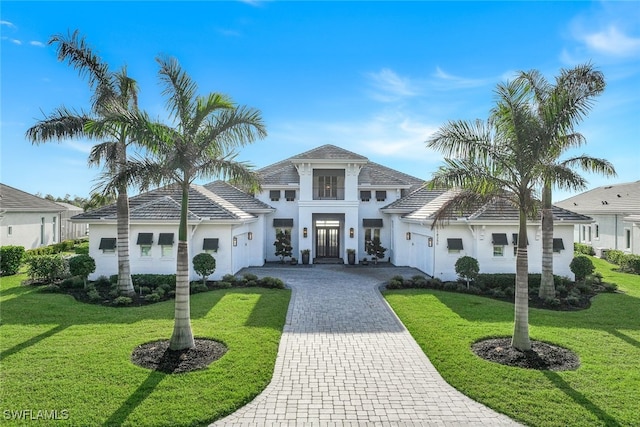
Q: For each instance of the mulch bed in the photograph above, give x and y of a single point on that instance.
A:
(157, 356)
(542, 356)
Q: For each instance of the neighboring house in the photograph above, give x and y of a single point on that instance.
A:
(28, 220)
(615, 210)
(68, 229)
(327, 200)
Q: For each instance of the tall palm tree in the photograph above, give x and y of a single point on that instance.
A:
(490, 161)
(560, 108)
(108, 88)
(202, 143)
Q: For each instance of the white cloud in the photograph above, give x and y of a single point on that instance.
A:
(16, 41)
(36, 43)
(8, 24)
(389, 86)
(612, 41)
(444, 80)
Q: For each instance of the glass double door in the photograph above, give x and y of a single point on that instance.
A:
(327, 239)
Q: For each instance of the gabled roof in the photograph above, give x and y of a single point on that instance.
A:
(238, 197)
(329, 152)
(14, 200)
(163, 204)
(615, 198)
(422, 204)
(284, 172)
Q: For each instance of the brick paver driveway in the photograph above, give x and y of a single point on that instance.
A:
(345, 359)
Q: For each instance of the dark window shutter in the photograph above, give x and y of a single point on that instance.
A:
(145, 239)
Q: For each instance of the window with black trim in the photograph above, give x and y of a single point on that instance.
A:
(365, 196)
(454, 245)
(274, 195)
(210, 245)
(381, 196)
(165, 240)
(558, 245)
(145, 240)
(290, 195)
(107, 245)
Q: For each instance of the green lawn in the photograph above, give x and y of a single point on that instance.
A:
(58, 354)
(605, 390)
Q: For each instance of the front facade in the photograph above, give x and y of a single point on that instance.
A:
(615, 210)
(329, 202)
(27, 220)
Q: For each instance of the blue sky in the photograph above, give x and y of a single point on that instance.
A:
(376, 78)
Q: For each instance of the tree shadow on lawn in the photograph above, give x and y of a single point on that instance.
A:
(137, 397)
(608, 312)
(580, 399)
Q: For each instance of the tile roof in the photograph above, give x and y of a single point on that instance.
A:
(164, 204)
(14, 200)
(284, 172)
(615, 198)
(238, 197)
(415, 200)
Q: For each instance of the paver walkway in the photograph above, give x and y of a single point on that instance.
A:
(345, 359)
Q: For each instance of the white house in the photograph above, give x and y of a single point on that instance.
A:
(28, 220)
(615, 210)
(328, 200)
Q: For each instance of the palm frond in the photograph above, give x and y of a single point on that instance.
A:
(104, 152)
(60, 124)
(591, 164)
(180, 90)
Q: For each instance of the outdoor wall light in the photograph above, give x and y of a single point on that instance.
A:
(235, 241)
(352, 232)
(408, 235)
(430, 242)
(304, 232)
(250, 235)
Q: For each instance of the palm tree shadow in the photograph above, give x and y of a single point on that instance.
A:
(625, 337)
(142, 392)
(32, 341)
(581, 399)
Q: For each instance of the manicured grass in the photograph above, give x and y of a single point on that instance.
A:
(58, 354)
(606, 337)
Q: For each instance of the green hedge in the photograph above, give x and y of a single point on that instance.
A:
(629, 263)
(10, 259)
(47, 267)
(583, 249)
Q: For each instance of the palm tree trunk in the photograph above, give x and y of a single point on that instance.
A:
(125, 284)
(520, 338)
(182, 337)
(547, 287)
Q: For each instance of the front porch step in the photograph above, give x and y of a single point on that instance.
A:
(328, 261)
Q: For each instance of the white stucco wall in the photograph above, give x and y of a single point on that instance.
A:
(24, 228)
(611, 233)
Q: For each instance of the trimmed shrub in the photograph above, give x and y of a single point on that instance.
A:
(197, 287)
(50, 289)
(631, 263)
(151, 298)
(614, 256)
(583, 249)
(82, 265)
(94, 295)
(271, 282)
(467, 268)
(72, 283)
(102, 281)
(395, 284)
(82, 248)
(204, 264)
(610, 287)
(122, 301)
(47, 267)
(581, 266)
(10, 259)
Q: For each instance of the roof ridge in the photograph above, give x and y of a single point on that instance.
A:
(225, 204)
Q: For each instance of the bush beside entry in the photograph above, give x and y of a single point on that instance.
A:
(467, 268)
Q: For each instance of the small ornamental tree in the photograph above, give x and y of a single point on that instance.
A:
(204, 264)
(283, 245)
(10, 259)
(82, 266)
(467, 268)
(581, 266)
(375, 249)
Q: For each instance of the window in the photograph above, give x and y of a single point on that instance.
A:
(210, 245)
(514, 237)
(107, 245)
(145, 240)
(370, 234)
(498, 250)
(627, 238)
(290, 195)
(328, 184)
(558, 245)
(381, 196)
(274, 195)
(365, 196)
(42, 231)
(584, 233)
(55, 232)
(165, 240)
(454, 245)
(589, 234)
(9, 230)
(597, 231)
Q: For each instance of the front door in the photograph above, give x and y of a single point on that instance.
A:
(327, 242)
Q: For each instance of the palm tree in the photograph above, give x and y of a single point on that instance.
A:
(492, 161)
(208, 129)
(560, 108)
(108, 88)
